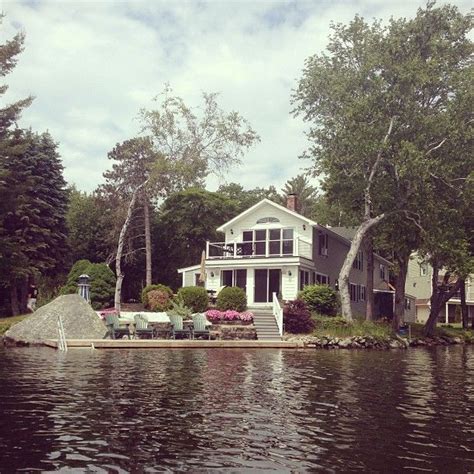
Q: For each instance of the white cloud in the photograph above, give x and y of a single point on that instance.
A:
(93, 65)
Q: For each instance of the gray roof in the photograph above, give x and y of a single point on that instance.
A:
(346, 232)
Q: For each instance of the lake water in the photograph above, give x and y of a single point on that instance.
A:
(237, 410)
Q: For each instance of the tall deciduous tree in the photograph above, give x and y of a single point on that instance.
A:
(382, 102)
(242, 198)
(183, 146)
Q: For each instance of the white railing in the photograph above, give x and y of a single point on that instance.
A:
(62, 344)
(278, 313)
(224, 250)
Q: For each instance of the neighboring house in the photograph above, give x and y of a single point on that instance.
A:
(418, 283)
(272, 249)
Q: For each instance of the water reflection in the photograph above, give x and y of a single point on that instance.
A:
(238, 410)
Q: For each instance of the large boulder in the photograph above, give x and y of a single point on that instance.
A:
(80, 321)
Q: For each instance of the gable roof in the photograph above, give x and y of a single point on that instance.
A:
(346, 232)
(259, 204)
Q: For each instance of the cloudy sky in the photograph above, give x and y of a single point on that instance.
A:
(93, 65)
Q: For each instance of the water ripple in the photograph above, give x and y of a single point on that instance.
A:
(237, 410)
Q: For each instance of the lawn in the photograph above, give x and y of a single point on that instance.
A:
(338, 327)
(7, 323)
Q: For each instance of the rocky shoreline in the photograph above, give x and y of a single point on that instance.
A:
(370, 342)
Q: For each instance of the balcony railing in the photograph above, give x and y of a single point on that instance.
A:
(261, 249)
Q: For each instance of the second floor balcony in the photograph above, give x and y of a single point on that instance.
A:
(259, 249)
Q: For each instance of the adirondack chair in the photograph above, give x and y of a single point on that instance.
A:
(141, 327)
(199, 326)
(114, 329)
(178, 329)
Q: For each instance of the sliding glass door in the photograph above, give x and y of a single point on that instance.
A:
(267, 282)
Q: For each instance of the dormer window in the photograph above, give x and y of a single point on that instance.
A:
(268, 220)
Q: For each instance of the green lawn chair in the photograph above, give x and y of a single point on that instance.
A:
(178, 329)
(114, 329)
(199, 326)
(142, 331)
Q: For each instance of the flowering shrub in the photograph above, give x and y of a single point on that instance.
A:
(214, 315)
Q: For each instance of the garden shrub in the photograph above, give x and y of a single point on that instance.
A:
(162, 295)
(320, 298)
(297, 317)
(102, 282)
(180, 309)
(331, 323)
(232, 297)
(194, 297)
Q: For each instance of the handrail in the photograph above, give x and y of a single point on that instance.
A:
(278, 313)
(62, 344)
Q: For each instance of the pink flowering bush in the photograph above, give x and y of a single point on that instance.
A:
(216, 316)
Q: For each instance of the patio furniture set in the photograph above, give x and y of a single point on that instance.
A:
(141, 328)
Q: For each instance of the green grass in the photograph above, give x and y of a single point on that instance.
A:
(7, 323)
(338, 327)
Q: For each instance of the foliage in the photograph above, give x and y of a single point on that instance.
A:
(388, 106)
(214, 315)
(180, 309)
(242, 199)
(297, 317)
(79, 268)
(88, 227)
(320, 298)
(32, 213)
(187, 219)
(339, 327)
(306, 193)
(195, 297)
(7, 323)
(102, 282)
(166, 295)
(232, 297)
(158, 300)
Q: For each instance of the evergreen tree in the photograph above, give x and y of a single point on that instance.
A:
(33, 232)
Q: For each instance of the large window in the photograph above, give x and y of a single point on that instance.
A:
(234, 278)
(357, 292)
(382, 272)
(280, 242)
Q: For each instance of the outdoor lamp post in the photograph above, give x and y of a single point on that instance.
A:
(84, 287)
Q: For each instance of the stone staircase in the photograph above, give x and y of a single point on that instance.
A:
(265, 324)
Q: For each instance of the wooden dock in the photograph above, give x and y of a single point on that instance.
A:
(172, 344)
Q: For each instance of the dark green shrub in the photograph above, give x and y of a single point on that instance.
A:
(320, 298)
(79, 268)
(232, 297)
(161, 299)
(297, 317)
(102, 282)
(194, 297)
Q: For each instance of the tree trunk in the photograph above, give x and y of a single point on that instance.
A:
(23, 301)
(146, 209)
(121, 241)
(464, 308)
(438, 300)
(369, 308)
(14, 299)
(349, 260)
(399, 309)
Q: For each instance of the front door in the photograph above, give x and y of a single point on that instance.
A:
(267, 282)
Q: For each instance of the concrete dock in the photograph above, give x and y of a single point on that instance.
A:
(172, 344)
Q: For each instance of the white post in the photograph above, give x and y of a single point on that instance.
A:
(446, 317)
(207, 248)
(296, 249)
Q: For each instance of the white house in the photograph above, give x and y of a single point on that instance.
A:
(270, 249)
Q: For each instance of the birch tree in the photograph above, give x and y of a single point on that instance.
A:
(379, 104)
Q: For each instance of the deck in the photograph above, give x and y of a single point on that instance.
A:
(172, 344)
